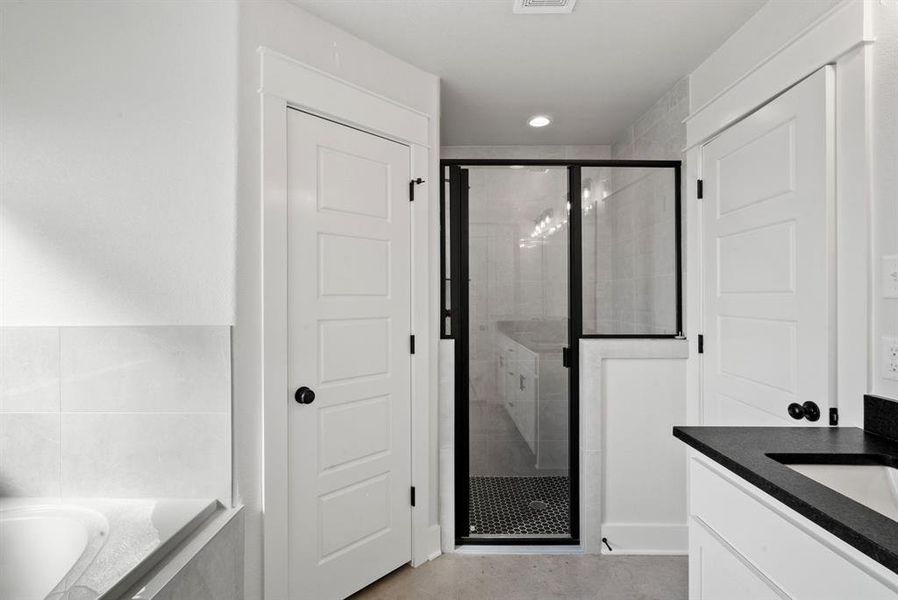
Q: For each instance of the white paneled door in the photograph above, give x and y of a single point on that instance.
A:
(349, 323)
(767, 268)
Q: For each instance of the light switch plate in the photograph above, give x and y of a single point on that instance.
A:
(890, 276)
(890, 358)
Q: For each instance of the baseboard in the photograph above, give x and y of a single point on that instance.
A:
(646, 538)
(433, 542)
(431, 546)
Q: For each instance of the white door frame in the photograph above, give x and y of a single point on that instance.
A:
(289, 83)
(841, 37)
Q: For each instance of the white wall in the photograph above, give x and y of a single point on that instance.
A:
(527, 152)
(117, 172)
(885, 180)
(291, 31)
(766, 31)
(117, 204)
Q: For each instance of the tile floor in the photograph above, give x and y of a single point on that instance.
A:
(501, 467)
(522, 506)
(527, 577)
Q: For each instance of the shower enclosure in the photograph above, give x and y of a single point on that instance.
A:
(528, 269)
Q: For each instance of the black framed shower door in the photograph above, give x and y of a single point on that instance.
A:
(455, 311)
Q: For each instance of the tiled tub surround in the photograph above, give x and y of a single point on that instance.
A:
(208, 565)
(139, 412)
(88, 549)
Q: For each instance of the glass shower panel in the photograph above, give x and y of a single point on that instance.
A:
(629, 251)
(518, 327)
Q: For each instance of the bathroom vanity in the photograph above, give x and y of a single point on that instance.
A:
(532, 386)
(784, 512)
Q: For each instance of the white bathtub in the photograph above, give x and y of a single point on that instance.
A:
(94, 548)
(41, 546)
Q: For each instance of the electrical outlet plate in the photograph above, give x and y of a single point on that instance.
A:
(890, 358)
(890, 276)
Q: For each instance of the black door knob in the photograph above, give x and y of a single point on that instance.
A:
(304, 395)
(809, 410)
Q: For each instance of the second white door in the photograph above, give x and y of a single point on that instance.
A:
(767, 268)
(349, 323)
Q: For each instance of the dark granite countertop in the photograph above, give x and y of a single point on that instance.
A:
(746, 451)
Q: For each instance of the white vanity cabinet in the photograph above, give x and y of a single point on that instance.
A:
(518, 386)
(532, 386)
(744, 544)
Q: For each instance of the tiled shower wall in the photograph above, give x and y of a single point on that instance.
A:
(507, 281)
(635, 266)
(115, 412)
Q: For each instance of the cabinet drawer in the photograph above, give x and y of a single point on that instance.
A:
(528, 360)
(716, 572)
(800, 563)
(507, 345)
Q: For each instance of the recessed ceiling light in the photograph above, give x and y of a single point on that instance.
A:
(539, 121)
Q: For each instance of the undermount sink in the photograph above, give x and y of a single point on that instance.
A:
(873, 485)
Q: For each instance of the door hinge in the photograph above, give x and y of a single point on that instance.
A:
(566, 358)
(412, 496)
(411, 344)
(833, 417)
(701, 344)
(411, 188)
(700, 188)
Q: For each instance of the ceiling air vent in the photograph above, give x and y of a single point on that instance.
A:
(543, 7)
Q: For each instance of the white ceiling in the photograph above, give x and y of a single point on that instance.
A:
(594, 71)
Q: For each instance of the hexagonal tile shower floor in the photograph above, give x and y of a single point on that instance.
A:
(519, 506)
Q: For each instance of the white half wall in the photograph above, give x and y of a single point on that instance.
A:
(117, 170)
(633, 471)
